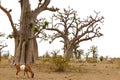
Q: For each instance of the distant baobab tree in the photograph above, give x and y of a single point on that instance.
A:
(73, 30)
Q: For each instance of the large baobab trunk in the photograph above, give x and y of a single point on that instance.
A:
(35, 49)
(26, 49)
(68, 49)
(68, 53)
(24, 45)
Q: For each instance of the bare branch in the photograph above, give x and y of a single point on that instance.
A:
(3, 46)
(9, 16)
(43, 6)
(90, 29)
(52, 9)
(54, 29)
(55, 36)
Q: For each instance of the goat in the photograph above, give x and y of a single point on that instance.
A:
(98, 59)
(25, 68)
(9, 58)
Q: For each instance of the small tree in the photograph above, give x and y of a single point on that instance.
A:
(1, 45)
(93, 49)
(78, 52)
(87, 55)
(73, 30)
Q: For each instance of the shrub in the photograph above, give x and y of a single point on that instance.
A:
(60, 64)
(101, 58)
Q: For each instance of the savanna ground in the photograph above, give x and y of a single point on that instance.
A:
(83, 71)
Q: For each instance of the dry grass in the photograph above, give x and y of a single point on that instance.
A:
(89, 71)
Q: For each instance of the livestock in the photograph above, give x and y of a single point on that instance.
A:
(25, 68)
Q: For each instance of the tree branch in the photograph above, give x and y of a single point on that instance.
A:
(91, 28)
(43, 6)
(2, 46)
(9, 17)
(57, 30)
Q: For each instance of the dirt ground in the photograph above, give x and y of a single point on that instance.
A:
(91, 71)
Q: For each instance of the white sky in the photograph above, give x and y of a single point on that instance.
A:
(108, 45)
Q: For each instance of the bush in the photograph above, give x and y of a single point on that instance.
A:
(60, 64)
(101, 58)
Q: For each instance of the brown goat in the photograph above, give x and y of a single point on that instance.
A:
(25, 68)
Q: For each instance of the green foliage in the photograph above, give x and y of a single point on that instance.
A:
(31, 24)
(45, 24)
(10, 36)
(55, 63)
(35, 29)
(60, 64)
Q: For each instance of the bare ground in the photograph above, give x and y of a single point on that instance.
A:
(91, 71)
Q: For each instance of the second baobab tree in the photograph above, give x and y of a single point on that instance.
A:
(67, 25)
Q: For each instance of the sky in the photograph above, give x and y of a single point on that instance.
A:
(108, 45)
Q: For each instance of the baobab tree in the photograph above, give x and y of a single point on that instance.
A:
(77, 52)
(67, 25)
(25, 38)
(94, 50)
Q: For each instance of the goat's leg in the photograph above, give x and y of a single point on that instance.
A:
(17, 74)
(27, 74)
(24, 74)
(32, 75)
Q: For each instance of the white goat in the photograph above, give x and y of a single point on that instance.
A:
(98, 59)
(10, 59)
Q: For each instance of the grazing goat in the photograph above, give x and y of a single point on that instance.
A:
(25, 68)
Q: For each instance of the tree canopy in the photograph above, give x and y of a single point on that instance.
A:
(73, 30)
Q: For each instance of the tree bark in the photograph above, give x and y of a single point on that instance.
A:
(68, 52)
(68, 49)
(24, 47)
(35, 49)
